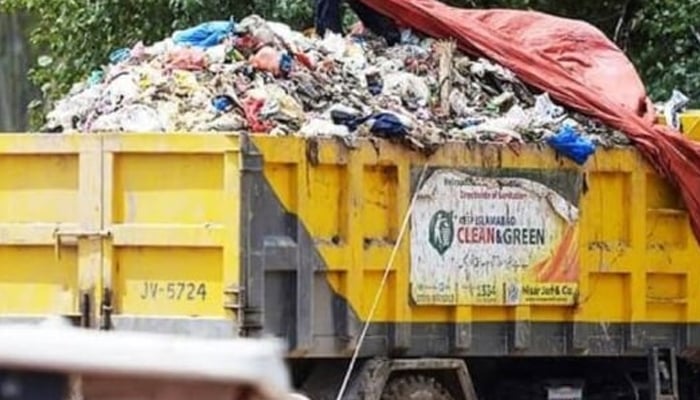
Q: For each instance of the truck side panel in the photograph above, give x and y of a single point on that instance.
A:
(48, 192)
(171, 206)
(637, 281)
(125, 232)
(178, 233)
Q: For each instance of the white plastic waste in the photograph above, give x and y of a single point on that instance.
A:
(411, 88)
(673, 107)
(137, 118)
(323, 128)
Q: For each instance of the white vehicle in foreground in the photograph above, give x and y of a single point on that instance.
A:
(54, 361)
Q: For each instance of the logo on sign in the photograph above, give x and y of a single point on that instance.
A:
(442, 231)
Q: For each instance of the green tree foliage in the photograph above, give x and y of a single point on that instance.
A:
(77, 36)
(665, 45)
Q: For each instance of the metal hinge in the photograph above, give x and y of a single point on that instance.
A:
(59, 235)
(235, 295)
(85, 308)
(248, 318)
(106, 309)
(236, 303)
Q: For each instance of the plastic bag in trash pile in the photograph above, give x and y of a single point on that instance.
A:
(258, 76)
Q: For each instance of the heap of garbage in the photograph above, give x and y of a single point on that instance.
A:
(257, 76)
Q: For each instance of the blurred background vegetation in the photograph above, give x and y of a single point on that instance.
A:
(46, 45)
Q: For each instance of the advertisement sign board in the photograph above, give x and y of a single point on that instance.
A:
(492, 241)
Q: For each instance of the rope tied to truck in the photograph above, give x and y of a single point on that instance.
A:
(382, 284)
(576, 64)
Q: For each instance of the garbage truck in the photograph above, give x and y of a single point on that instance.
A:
(495, 269)
(553, 281)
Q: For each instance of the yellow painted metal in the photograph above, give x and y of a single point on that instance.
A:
(637, 252)
(690, 124)
(155, 218)
(44, 192)
(171, 204)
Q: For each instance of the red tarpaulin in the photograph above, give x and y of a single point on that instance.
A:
(576, 64)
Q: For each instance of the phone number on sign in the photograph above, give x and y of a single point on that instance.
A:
(481, 290)
(190, 291)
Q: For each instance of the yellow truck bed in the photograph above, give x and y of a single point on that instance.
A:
(223, 235)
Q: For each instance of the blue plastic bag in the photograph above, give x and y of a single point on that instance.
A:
(286, 64)
(384, 125)
(387, 125)
(96, 77)
(572, 145)
(207, 34)
(222, 103)
(352, 121)
(119, 55)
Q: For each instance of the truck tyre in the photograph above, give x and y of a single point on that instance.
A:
(415, 387)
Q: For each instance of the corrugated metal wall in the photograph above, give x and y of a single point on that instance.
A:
(15, 60)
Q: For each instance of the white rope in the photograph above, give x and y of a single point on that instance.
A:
(378, 295)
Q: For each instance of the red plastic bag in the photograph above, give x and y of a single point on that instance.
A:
(251, 109)
(186, 58)
(573, 61)
(266, 59)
